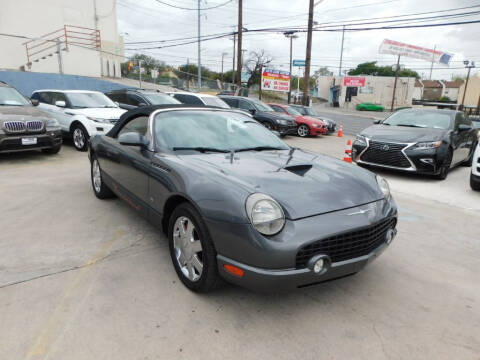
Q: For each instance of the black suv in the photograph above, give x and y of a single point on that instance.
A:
(132, 98)
(263, 113)
(25, 127)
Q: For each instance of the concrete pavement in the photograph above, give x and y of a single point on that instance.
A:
(82, 278)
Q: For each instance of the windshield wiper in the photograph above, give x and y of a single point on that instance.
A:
(261, 148)
(411, 125)
(201, 149)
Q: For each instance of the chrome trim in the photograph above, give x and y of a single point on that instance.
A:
(14, 126)
(407, 145)
(34, 125)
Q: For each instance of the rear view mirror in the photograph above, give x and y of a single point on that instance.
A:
(60, 104)
(132, 139)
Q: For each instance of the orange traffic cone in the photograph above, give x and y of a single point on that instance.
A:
(340, 132)
(348, 152)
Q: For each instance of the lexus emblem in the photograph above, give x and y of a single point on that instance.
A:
(385, 147)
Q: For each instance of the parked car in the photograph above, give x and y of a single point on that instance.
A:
(282, 123)
(476, 123)
(309, 111)
(306, 125)
(199, 99)
(81, 113)
(475, 173)
(239, 204)
(420, 141)
(367, 106)
(131, 98)
(25, 127)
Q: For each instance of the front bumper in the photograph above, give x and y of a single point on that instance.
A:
(318, 130)
(286, 129)
(47, 140)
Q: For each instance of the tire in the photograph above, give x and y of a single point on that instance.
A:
(267, 125)
(193, 249)
(303, 130)
(469, 161)
(474, 184)
(53, 150)
(100, 190)
(80, 137)
(445, 168)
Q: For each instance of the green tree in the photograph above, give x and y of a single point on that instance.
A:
(322, 71)
(371, 68)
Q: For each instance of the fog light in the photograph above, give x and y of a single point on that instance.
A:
(318, 267)
(390, 235)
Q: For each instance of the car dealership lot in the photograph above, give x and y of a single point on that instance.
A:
(83, 278)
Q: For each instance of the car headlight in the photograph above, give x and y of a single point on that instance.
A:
(361, 140)
(383, 185)
(265, 214)
(52, 123)
(426, 145)
(282, 122)
(99, 120)
(315, 125)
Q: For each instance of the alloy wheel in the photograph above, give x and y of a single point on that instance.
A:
(96, 176)
(187, 248)
(79, 138)
(303, 131)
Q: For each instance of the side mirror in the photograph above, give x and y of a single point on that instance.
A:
(132, 139)
(376, 122)
(463, 127)
(34, 102)
(60, 104)
(252, 111)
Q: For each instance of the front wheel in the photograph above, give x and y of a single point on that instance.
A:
(442, 175)
(80, 137)
(474, 183)
(99, 188)
(191, 249)
(303, 130)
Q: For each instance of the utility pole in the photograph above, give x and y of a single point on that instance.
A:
(59, 55)
(395, 82)
(469, 65)
(341, 52)
(188, 76)
(239, 50)
(306, 79)
(139, 73)
(95, 19)
(433, 57)
(223, 54)
(291, 35)
(233, 66)
(199, 56)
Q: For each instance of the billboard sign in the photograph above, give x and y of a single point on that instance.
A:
(298, 62)
(417, 52)
(275, 80)
(354, 81)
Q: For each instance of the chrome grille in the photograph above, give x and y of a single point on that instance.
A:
(35, 125)
(14, 126)
(384, 153)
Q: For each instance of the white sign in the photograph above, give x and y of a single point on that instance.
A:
(154, 73)
(417, 52)
(275, 80)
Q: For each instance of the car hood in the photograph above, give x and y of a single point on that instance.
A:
(402, 134)
(101, 113)
(305, 184)
(22, 113)
(310, 119)
(273, 115)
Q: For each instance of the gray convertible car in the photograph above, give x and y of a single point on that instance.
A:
(239, 204)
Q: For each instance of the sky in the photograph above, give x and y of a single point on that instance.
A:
(147, 20)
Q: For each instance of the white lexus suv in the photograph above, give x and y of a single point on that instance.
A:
(81, 113)
(475, 174)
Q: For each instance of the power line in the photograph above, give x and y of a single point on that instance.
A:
(197, 8)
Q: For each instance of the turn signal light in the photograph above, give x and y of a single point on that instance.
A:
(233, 270)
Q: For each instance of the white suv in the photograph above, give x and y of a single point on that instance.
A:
(199, 99)
(475, 174)
(81, 113)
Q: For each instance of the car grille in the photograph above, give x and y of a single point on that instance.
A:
(348, 245)
(34, 125)
(14, 126)
(383, 153)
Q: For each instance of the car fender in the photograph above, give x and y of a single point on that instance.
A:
(82, 119)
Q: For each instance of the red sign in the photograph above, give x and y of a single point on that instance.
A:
(275, 80)
(354, 81)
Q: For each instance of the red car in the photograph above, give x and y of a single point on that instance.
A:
(307, 125)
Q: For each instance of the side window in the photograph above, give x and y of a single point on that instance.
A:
(191, 100)
(118, 97)
(231, 102)
(56, 96)
(134, 100)
(43, 97)
(277, 108)
(459, 119)
(246, 105)
(468, 121)
(138, 124)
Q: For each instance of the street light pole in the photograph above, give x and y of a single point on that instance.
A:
(469, 65)
(291, 35)
(233, 66)
(223, 54)
(199, 72)
(341, 52)
(239, 50)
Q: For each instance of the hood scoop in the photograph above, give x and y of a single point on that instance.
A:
(298, 169)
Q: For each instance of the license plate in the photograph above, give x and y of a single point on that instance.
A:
(29, 141)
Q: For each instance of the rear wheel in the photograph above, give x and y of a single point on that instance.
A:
(442, 175)
(267, 125)
(52, 150)
(303, 130)
(191, 249)
(80, 137)
(99, 188)
(474, 183)
(469, 161)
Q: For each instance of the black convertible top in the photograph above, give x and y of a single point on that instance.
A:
(146, 111)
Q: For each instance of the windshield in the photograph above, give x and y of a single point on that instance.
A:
(292, 111)
(89, 100)
(11, 97)
(220, 130)
(422, 119)
(214, 101)
(310, 111)
(160, 99)
(261, 106)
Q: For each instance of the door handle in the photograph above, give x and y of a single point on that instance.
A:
(69, 113)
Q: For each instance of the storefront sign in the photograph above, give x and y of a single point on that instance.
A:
(275, 80)
(354, 81)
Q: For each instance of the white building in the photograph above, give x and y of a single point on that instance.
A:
(82, 28)
(349, 91)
